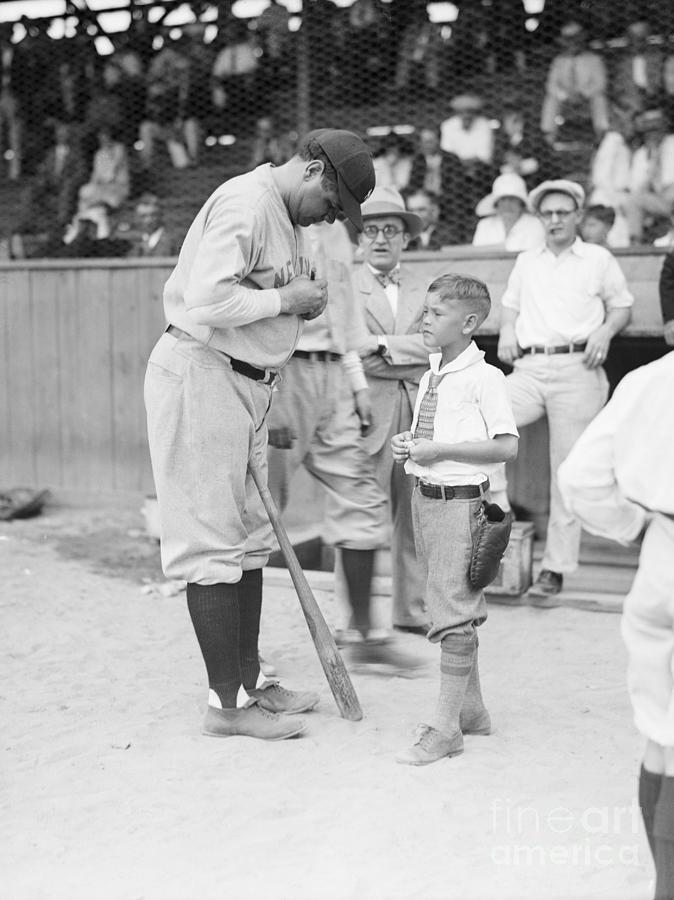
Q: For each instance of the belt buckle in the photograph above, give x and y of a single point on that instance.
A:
(572, 346)
(548, 350)
(447, 492)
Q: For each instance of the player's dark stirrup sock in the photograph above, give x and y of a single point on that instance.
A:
(250, 607)
(358, 567)
(649, 791)
(214, 610)
(663, 833)
(456, 663)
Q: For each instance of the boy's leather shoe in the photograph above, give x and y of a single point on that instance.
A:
(276, 699)
(546, 587)
(479, 724)
(429, 746)
(250, 720)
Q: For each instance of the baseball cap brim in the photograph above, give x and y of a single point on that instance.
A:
(350, 206)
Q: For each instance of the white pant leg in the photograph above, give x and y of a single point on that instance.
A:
(574, 395)
(648, 632)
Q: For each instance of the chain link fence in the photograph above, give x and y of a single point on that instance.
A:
(117, 123)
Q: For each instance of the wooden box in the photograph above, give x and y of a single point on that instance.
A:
(514, 574)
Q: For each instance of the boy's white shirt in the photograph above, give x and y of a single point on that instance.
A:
(473, 405)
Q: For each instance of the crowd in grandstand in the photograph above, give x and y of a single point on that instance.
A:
(82, 133)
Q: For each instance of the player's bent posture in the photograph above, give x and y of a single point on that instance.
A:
(463, 429)
(618, 480)
(236, 302)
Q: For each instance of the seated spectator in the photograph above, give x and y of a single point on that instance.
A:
(154, 238)
(597, 222)
(234, 72)
(167, 82)
(194, 108)
(434, 235)
(393, 162)
(419, 54)
(50, 200)
(505, 223)
(273, 29)
(368, 40)
(469, 136)
(666, 240)
(668, 91)
(15, 90)
(651, 175)
(575, 93)
(636, 73)
(267, 146)
(519, 148)
(610, 168)
(438, 172)
(108, 186)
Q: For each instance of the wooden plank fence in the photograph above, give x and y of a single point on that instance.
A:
(74, 341)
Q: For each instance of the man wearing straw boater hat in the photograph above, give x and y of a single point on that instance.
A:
(394, 358)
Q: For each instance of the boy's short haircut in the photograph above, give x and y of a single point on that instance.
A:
(472, 292)
(605, 214)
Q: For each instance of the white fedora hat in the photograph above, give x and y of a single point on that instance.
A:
(507, 185)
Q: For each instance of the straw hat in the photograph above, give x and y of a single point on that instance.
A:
(557, 186)
(507, 185)
(386, 201)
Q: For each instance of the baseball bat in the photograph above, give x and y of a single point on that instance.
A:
(328, 654)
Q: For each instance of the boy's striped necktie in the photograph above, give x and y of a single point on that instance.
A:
(429, 404)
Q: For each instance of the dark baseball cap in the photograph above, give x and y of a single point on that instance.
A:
(353, 163)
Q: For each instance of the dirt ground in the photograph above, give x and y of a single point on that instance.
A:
(109, 791)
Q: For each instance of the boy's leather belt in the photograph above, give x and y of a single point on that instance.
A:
(447, 492)
(267, 376)
(576, 347)
(317, 355)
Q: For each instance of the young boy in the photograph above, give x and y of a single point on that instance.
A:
(597, 223)
(462, 431)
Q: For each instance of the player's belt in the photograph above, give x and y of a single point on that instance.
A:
(448, 492)
(267, 376)
(573, 347)
(317, 355)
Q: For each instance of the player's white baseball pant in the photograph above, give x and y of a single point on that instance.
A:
(648, 632)
(205, 422)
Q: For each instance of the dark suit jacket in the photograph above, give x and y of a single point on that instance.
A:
(167, 245)
(624, 92)
(667, 288)
(450, 179)
(441, 236)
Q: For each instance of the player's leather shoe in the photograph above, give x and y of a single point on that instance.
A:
(479, 724)
(429, 746)
(250, 720)
(276, 699)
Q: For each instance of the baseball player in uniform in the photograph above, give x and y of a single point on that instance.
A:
(236, 303)
(618, 480)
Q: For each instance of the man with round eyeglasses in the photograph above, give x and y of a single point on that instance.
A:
(394, 358)
(564, 303)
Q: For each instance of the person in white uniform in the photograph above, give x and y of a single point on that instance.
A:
(618, 480)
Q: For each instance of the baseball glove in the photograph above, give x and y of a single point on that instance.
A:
(490, 544)
(21, 503)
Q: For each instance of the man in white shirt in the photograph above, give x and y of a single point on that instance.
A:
(563, 304)
(619, 481)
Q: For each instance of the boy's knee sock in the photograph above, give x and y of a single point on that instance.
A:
(214, 610)
(358, 567)
(649, 791)
(663, 833)
(473, 704)
(250, 608)
(456, 661)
